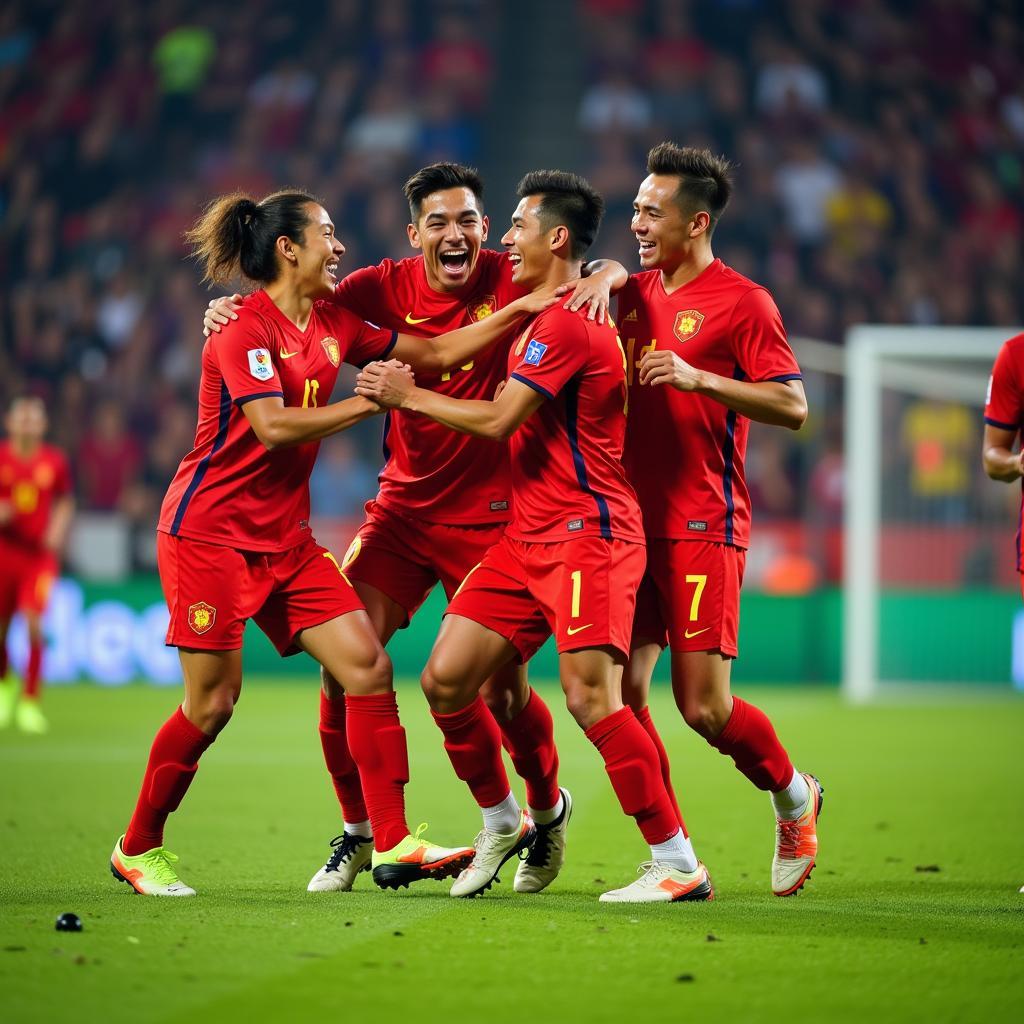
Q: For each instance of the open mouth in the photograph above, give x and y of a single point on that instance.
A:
(454, 261)
(516, 260)
(646, 247)
(332, 271)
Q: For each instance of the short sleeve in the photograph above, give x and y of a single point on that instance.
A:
(242, 352)
(360, 291)
(551, 354)
(759, 339)
(364, 341)
(1003, 401)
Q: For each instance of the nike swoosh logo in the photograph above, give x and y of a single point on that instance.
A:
(572, 631)
(697, 632)
(410, 319)
(287, 355)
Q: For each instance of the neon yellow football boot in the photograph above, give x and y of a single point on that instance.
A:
(415, 858)
(149, 873)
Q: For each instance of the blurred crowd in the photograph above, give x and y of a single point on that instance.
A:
(879, 150)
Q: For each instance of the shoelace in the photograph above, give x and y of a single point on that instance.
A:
(788, 832)
(345, 847)
(158, 863)
(653, 870)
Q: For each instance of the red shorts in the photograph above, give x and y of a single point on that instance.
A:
(212, 591)
(404, 557)
(690, 596)
(25, 580)
(582, 590)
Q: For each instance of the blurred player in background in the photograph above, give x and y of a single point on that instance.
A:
(36, 506)
(569, 563)
(234, 541)
(444, 497)
(706, 353)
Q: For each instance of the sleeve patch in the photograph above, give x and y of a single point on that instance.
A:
(260, 365)
(534, 353)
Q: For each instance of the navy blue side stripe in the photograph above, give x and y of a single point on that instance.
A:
(1002, 426)
(204, 462)
(785, 377)
(384, 443)
(532, 384)
(387, 350)
(728, 456)
(572, 394)
(262, 394)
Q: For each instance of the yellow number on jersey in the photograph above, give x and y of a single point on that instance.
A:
(309, 395)
(467, 367)
(577, 587)
(701, 581)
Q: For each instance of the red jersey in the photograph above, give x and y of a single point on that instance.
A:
(1004, 403)
(230, 489)
(567, 473)
(31, 486)
(431, 472)
(684, 452)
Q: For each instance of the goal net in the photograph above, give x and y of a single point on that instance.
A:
(930, 589)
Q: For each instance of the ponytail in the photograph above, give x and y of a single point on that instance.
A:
(237, 234)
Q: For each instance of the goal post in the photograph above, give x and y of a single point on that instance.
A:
(890, 368)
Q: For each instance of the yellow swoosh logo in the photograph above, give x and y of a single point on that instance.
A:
(410, 319)
(572, 631)
(697, 632)
(287, 355)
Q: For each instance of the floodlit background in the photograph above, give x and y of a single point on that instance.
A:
(880, 156)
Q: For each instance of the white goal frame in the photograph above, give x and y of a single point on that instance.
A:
(906, 352)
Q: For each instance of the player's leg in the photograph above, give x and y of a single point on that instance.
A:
(10, 559)
(213, 681)
(703, 634)
(28, 715)
(8, 691)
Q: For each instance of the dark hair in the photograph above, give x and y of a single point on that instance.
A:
(237, 233)
(437, 177)
(705, 180)
(567, 199)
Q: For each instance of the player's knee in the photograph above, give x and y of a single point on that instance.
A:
(214, 710)
(707, 718)
(441, 687)
(378, 676)
(587, 704)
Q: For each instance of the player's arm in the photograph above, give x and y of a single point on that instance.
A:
(1001, 462)
(600, 280)
(60, 523)
(280, 426)
(394, 387)
(446, 351)
(780, 403)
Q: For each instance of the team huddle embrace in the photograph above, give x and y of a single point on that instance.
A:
(561, 472)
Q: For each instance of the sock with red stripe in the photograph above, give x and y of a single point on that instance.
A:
(632, 765)
(376, 741)
(643, 716)
(34, 670)
(338, 758)
(529, 739)
(473, 743)
(173, 762)
(749, 739)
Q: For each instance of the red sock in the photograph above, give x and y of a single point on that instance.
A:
(376, 741)
(632, 765)
(473, 742)
(344, 773)
(643, 716)
(749, 739)
(173, 761)
(33, 670)
(529, 739)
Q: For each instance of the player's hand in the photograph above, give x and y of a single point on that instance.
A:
(388, 384)
(594, 292)
(1020, 465)
(538, 301)
(667, 368)
(219, 312)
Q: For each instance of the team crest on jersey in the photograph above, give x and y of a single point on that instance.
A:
(201, 617)
(534, 353)
(687, 324)
(483, 307)
(333, 350)
(260, 365)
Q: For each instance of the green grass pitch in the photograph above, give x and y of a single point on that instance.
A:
(912, 914)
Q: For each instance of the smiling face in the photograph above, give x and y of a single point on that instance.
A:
(663, 231)
(317, 253)
(528, 245)
(451, 230)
